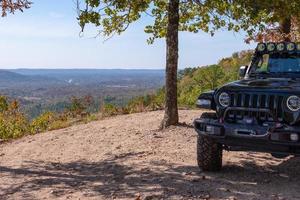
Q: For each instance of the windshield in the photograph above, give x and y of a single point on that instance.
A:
(276, 63)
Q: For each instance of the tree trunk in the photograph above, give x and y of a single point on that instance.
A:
(171, 107)
(285, 28)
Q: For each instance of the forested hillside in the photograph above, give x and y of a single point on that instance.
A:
(193, 81)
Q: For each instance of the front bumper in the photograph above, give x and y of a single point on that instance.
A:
(274, 138)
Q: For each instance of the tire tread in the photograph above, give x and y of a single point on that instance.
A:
(209, 153)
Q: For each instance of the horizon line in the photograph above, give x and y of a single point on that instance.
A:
(75, 68)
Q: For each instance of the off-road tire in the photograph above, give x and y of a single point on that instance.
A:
(209, 152)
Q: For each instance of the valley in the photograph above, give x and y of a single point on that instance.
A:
(39, 90)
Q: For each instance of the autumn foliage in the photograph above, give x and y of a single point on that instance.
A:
(14, 123)
(11, 6)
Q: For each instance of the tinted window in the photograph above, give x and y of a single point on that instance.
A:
(278, 63)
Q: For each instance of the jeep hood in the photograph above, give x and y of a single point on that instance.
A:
(275, 84)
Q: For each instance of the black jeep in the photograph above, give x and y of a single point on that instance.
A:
(260, 112)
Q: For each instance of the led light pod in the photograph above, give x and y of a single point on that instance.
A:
(271, 46)
(291, 46)
(280, 47)
(261, 47)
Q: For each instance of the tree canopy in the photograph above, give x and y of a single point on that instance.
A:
(261, 19)
(115, 16)
(11, 6)
(268, 20)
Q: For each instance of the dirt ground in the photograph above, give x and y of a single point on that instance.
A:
(126, 157)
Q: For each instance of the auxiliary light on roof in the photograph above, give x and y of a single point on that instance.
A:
(271, 47)
(291, 46)
(280, 46)
(261, 47)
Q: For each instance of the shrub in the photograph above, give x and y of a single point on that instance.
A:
(41, 123)
(79, 106)
(58, 124)
(137, 104)
(92, 117)
(3, 104)
(13, 123)
(109, 110)
(12, 126)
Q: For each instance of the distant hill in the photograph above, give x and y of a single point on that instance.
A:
(11, 76)
(9, 79)
(100, 76)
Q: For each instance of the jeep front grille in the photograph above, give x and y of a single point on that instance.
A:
(263, 107)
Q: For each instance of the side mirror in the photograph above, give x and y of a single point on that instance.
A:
(243, 70)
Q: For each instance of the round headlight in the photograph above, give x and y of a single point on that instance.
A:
(280, 46)
(293, 103)
(261, 47)
(290, 46)
(224, 99)
(271, 47)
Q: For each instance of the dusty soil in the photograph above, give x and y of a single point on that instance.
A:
(126, 157)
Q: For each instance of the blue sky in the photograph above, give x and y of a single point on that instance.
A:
(47, 36)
